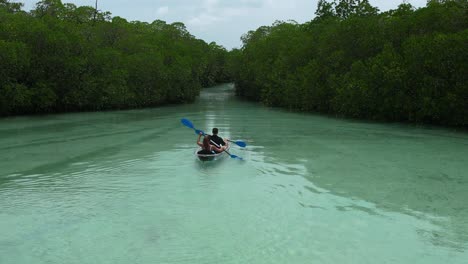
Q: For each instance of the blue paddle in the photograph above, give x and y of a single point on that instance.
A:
(189, 124)
(238, 143)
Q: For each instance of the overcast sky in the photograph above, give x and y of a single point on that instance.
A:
(222, 21)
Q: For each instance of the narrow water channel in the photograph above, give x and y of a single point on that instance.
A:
(125, 187)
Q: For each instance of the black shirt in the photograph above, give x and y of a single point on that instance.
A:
(217, 140)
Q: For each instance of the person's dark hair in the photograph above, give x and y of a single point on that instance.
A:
(215, 131)
(206, 143)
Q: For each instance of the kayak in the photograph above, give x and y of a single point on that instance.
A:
(210, 157)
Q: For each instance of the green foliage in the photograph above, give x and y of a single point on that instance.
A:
(348, 8)
(325, 10)
(11, 7)
(404, 65)
(60, 57)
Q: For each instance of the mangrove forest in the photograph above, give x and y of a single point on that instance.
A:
(403, 65)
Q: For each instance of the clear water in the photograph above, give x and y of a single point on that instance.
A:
(125, 187)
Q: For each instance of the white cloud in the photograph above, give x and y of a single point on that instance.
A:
(213, 12)
(162, 10)
(203, 19)
(210, 4)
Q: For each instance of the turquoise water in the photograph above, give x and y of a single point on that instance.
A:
(125, 187)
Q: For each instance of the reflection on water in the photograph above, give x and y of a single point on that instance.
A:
(125, 187)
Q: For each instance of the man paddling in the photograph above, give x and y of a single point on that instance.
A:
(214, 138)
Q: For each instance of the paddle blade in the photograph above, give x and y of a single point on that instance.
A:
(187, 123)
(236, 157)
(233, 156)
(240, 144)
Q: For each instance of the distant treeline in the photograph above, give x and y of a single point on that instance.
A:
(405, 65)
(60, 57)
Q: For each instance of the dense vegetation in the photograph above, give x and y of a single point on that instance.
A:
(350, 60)
(60, 57)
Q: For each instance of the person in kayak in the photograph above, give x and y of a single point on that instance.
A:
(207, 148)
(216, 139)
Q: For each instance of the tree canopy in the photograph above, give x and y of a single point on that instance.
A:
(351, 60)
(60, 57)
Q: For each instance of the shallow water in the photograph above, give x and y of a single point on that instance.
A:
(125, 187)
